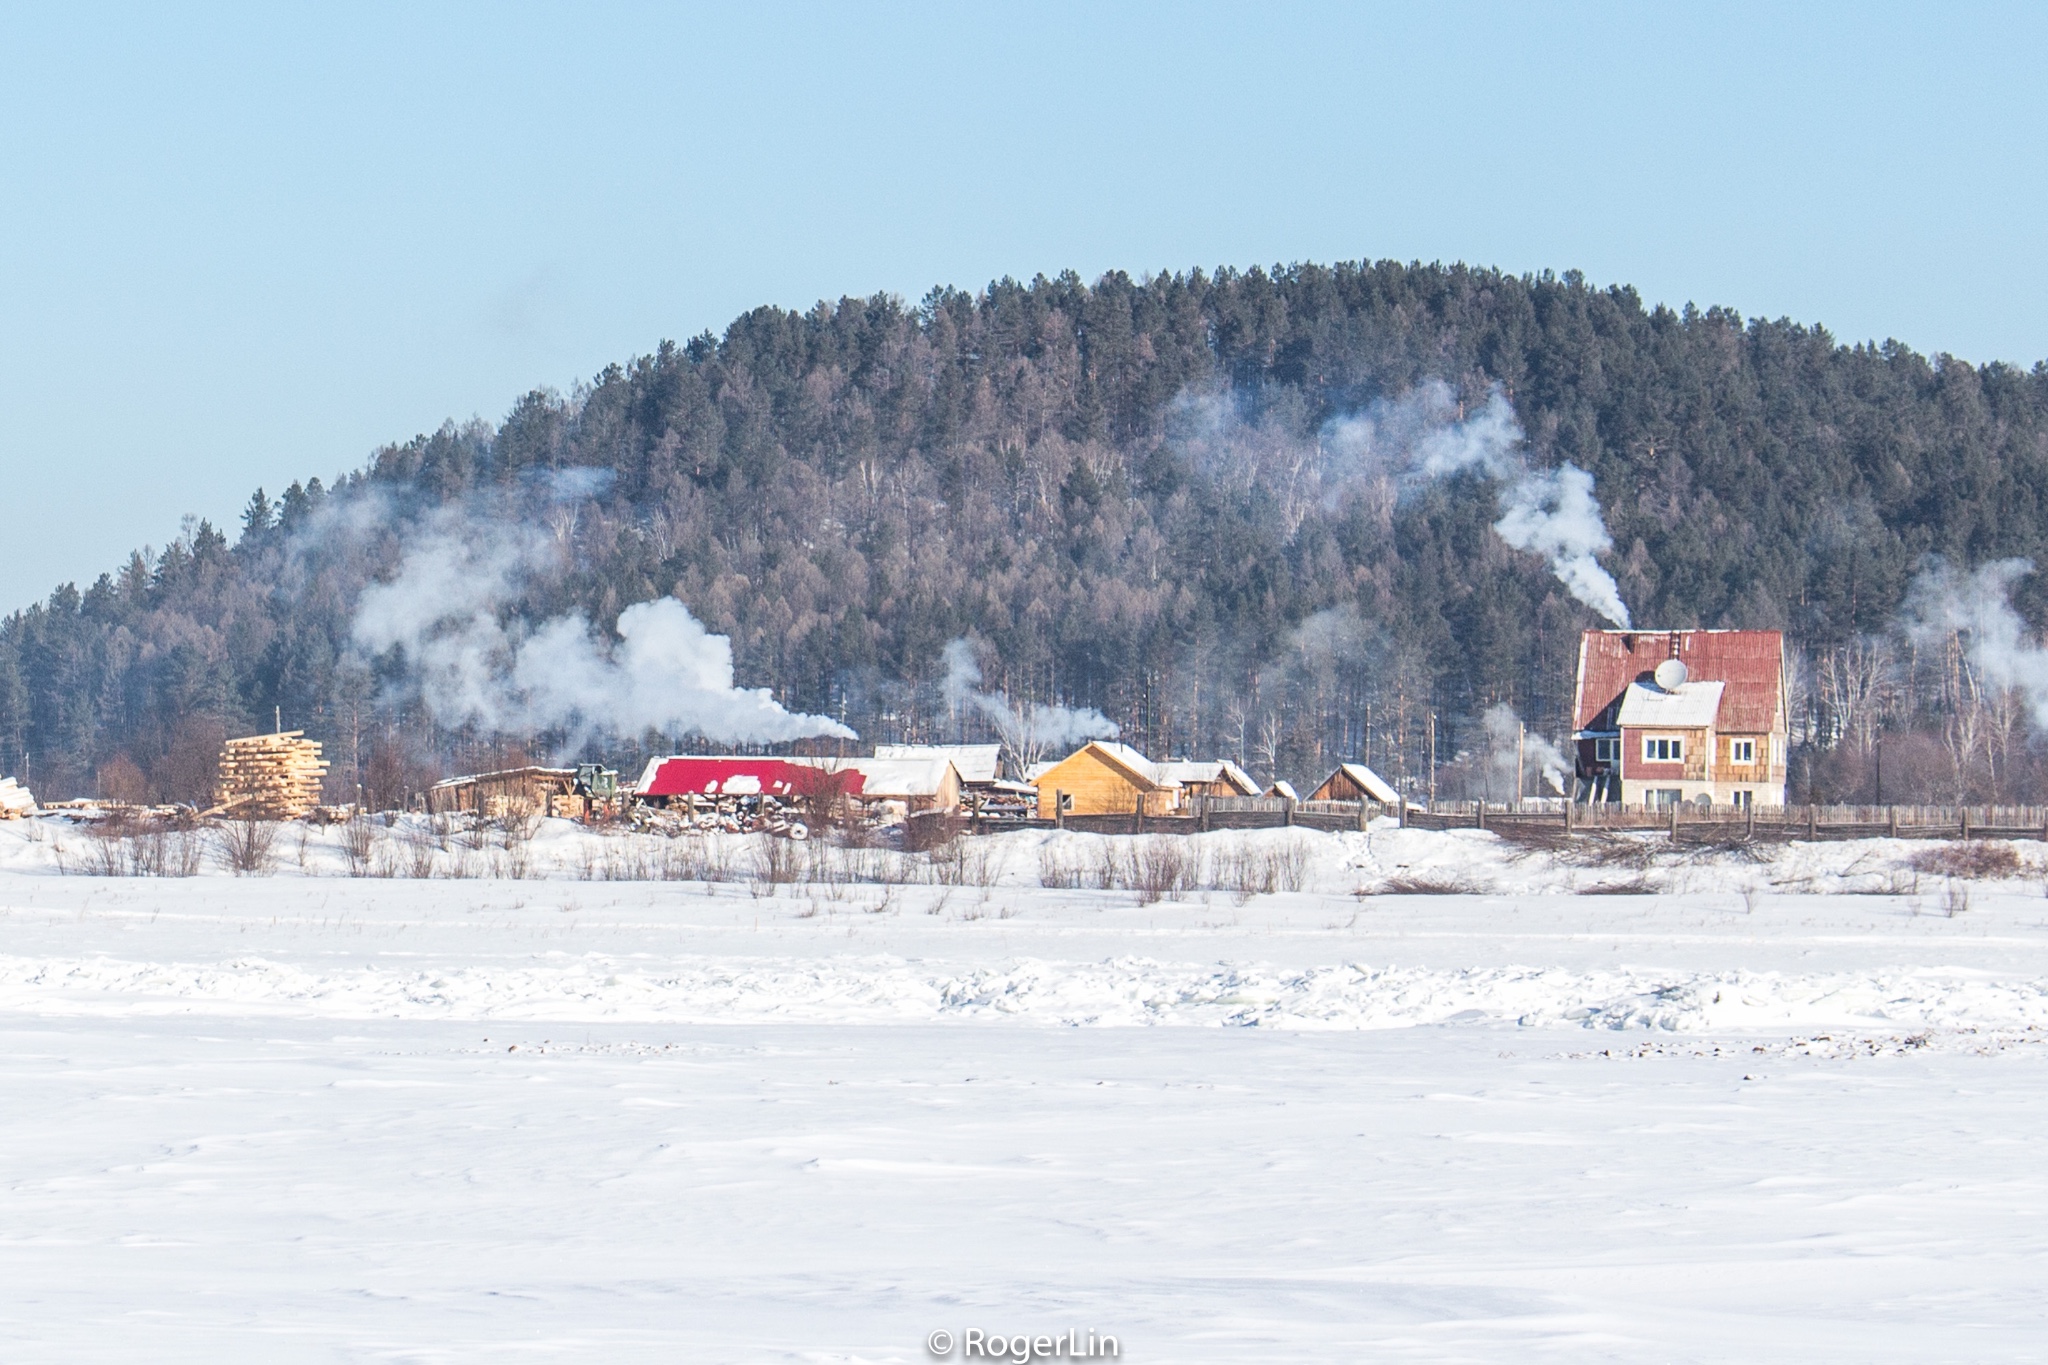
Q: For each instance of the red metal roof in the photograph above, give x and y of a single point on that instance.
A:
(1750, 662)
(742, 777)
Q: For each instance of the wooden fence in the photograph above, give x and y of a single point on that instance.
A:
(1555, 819)
(1771, 823)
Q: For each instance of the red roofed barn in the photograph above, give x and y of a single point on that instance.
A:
(1696, 716)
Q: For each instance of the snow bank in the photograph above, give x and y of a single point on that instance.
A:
(1119, 992)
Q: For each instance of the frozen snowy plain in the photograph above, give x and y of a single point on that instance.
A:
(1791, 1109)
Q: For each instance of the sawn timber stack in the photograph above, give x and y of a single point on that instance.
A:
(269, 777)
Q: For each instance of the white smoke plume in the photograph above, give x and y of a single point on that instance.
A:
(1515, 755)
(446, 608)
(1029, 730)
(1422, 436)
(1978, 605)
(1553, 513)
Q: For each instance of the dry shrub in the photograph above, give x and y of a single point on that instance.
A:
(247, 846)
(417, 857)
(1628, 886)
(777, 862)
(359, 843)
(1167, 867)
(1535, 836)
(137, 848)
(1423, 884)
(1607, 850)
(1057, 872)
(964, 862)
(1970, 859)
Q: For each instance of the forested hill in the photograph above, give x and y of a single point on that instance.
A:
(1123, 493)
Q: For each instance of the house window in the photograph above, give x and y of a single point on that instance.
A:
(1742, 751)
(1664, 798)
(1739, 799)
(1607, 751)
(1663, 749)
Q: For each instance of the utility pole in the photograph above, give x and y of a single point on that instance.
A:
(1521, 753)
(1432, 760)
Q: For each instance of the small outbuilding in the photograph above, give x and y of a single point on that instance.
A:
(1356, 782)
(1219, 777)
(928, 783)
(979, 765)
(512, 791)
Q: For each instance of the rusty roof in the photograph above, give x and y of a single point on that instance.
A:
(1750, 662)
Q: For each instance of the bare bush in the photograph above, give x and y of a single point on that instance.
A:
(143, 848)
(1167, 868)
(964, 862)
(417, 856)
(1955, 899)
(776, 864)
(1057, 871)
(1607, 850)
(1970, 859)
(699, 858)
(1249, 869)
(247, 846)
(1422, 884)
(1627, 886)
(358, 843)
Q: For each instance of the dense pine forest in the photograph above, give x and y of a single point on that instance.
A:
(1136, 496)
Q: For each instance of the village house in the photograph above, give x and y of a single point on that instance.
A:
(1356, 782)
(1685, 716)
(1103, 777)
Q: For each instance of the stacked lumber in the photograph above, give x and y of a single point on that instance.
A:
(269, 777)
(15, 799)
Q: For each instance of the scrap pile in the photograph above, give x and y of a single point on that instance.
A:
(15, 799)
(269, 777)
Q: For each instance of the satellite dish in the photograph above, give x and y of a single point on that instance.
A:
(1671, 674)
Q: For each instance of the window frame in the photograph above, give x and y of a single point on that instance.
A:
(1742, 751)
(1607, 749)
(1673, 744)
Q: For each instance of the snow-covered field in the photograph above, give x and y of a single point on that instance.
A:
(1792, 1107)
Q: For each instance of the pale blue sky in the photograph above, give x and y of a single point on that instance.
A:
(245, 245)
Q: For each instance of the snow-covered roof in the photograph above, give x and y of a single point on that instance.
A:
(974, 762)
(883, 778)
(1283, 788)
(1371, 783)
(1689, 706)
(1184, 771)
(1038, 770)
(1137, 763)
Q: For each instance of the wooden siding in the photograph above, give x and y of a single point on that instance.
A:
(1098, 787)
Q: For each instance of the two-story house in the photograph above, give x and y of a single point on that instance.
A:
(1694, 716)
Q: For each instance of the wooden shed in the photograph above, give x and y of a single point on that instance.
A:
(1356, 782)
(1215, 777)
(513, 791)
(1106, 778)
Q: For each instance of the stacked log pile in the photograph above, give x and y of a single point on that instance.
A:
(269, 777)
(15, 800)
